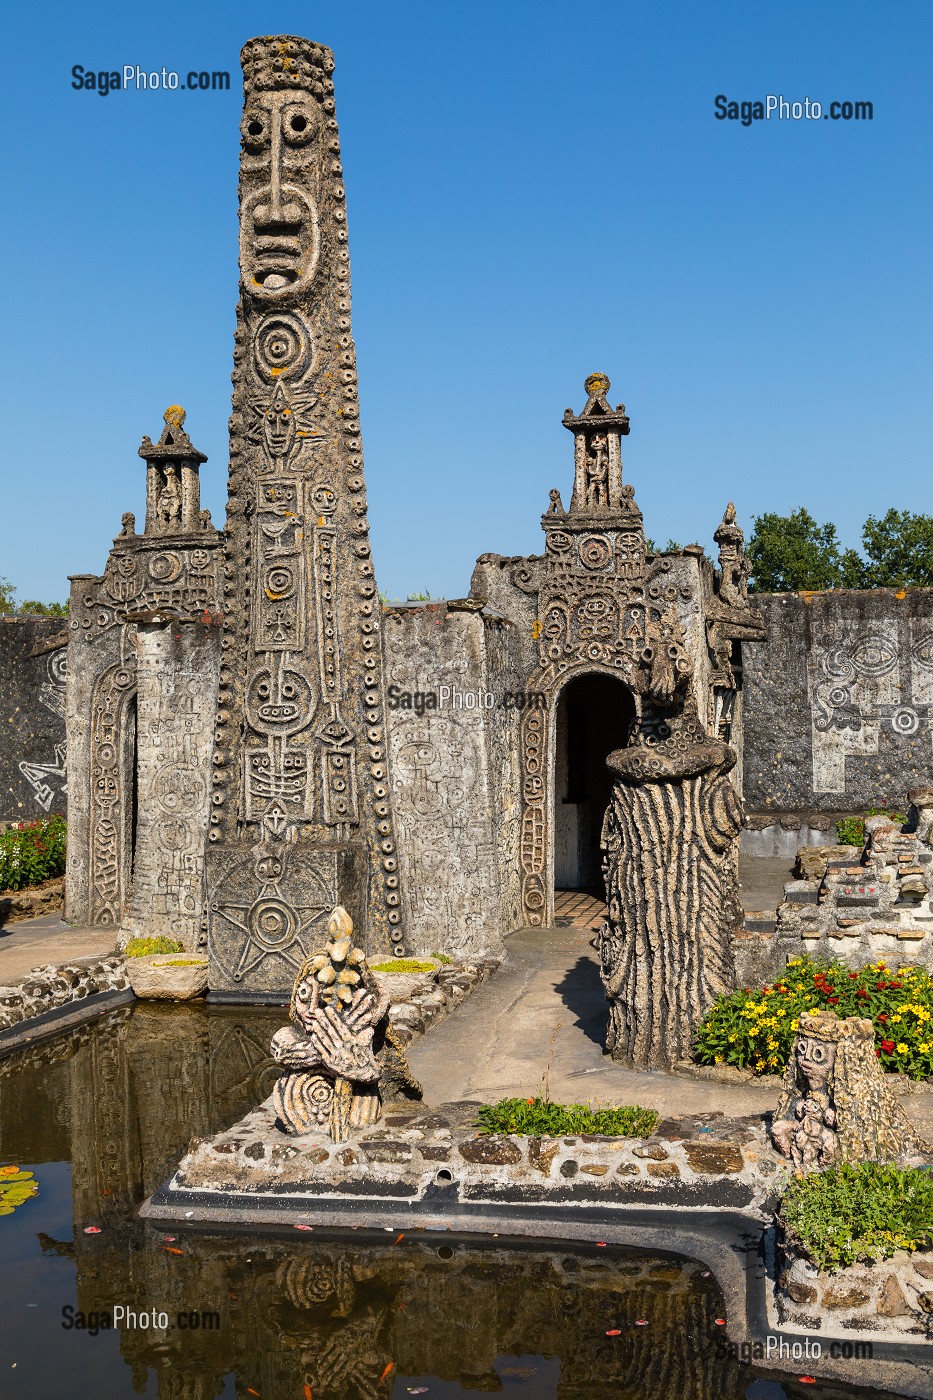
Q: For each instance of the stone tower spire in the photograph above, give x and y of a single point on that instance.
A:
(301, 816)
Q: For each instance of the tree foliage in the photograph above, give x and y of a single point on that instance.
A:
(9, 604)
(790, 553)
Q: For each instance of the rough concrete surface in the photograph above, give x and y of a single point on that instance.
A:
(37, 942)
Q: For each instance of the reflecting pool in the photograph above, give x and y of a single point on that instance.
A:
(101, 1116)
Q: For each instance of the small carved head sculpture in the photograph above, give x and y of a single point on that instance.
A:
(128, 521)
(815, 1059)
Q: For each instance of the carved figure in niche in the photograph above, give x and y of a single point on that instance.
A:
(204, 519)
(128, 522)
(627, 503)
(557, 506)
(168, 508)
(597, 471)
(734, 568)
(835, 1105)
(339, 1045)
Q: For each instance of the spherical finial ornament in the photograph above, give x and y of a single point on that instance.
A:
(597, 385)
(175, 415)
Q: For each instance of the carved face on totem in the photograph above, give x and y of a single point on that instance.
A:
(278, 424)
(815, 1059)
(279, 235)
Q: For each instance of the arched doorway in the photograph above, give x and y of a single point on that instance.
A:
(595, 714)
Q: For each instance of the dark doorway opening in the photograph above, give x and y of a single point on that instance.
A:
(595, 715)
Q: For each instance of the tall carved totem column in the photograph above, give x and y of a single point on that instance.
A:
(301, 817)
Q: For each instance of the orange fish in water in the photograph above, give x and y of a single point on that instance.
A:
(170, 1249)
(400, 1238)
(390, 1367)
(308, 1395)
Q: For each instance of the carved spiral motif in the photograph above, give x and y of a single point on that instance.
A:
(905, 721)
(595, 552)
(271, 922)
(282, 347)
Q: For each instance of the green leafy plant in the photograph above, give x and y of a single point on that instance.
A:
(146, 947)
(861, 1211)
(755, 1029)
(850, 831)
(536, 1117)
(410, 965)
(31, 852)
(16, 1187)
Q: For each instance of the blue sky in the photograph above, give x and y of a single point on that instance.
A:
(535, 191)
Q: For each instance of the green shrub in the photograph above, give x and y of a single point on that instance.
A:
(539, 1118)
(145, 947)
(850, 831)
(863, 1211)
(32, 852)
(756, 1030)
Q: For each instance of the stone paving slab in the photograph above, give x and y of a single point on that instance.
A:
(32, 943)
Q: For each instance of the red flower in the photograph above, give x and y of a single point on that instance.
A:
(862, 993)
(887, 1046)
(833, 1000)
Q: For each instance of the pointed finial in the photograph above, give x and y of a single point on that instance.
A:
(175, 416)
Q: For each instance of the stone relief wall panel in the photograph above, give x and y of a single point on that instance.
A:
(442, 788)
(838, 701)
(33, 776)
(177, 683)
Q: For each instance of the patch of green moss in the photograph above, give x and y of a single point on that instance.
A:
(409, 965)
(186, 962)
(146, 947)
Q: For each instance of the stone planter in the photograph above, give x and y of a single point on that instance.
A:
(892, 1296)
(402, 985)
(171, 976)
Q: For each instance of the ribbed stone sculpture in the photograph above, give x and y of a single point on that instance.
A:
(670, 838)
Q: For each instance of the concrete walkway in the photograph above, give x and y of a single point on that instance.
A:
(498, 1044)
(31, 943)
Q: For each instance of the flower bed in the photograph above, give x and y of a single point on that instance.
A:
(755, 1029)
(31, 852)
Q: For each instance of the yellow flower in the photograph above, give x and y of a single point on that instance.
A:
(719, 1059)
(732, 1038)
(795, 1023)
(813, 1011)
(901, 1048)
(896, 1018)
(771, 1043)
(924, 1047)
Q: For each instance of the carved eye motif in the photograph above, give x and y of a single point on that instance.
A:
(874, 656)
(299, 124)
(254, 129)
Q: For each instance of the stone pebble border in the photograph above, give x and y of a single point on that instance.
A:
(890, 1298)
(49, 988)
(33, 900)
(420, 1000)
(703, 1161)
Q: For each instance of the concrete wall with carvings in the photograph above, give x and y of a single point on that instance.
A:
(838, 701)
(32, 712)
(443, 695)
(176, 667)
